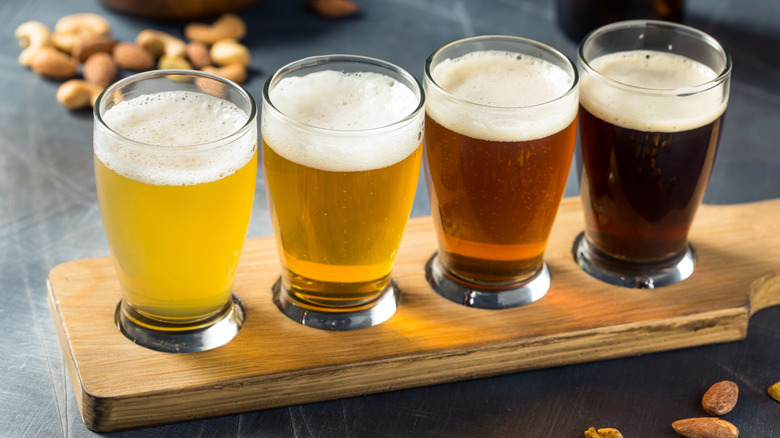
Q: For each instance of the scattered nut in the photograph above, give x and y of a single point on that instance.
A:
(774, 391)
(229, 51)
(198, 54)
(76, 93)
(53, 64)
(591, 433)
(607, 432)
(720, 398)
(705, 427)
(234, 72)
(90, 46)
(73, 29)
(132, 57)
(159, 43)
(226, 26)
(86, 38)
(100, 69)
(334, 8)
(32, 35)
(173, 62)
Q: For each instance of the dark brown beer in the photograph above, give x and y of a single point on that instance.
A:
(647, 154)
(495, 201)
(643, 188)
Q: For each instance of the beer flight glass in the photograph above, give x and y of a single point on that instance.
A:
(342, 146)
(175, 157)
(501, 121)
(653, 96)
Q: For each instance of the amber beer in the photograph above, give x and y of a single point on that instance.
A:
(175, 172)
(342, 148)
(500, 132)
(495, 200)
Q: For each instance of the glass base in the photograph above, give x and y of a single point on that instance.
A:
(630, 274)
(337, 320)
(487, 297)
(209, 334)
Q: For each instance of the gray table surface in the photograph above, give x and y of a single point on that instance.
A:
(49, 215)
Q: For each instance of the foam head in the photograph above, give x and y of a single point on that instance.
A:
(508, 96)
(189, 134)
(338, 121)
(646, 100)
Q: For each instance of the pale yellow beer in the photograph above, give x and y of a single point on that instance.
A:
(340, 182)
(175, 196)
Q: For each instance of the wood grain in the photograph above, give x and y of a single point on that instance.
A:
(276, 362)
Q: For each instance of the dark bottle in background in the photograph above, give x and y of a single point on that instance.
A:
(578, 17)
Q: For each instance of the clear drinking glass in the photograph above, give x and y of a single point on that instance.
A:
(342, 146)
(175, 156)
(501, 121)
(653, 97)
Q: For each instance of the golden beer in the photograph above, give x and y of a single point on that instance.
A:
(342, 148)
(175, 173)
(341, 232)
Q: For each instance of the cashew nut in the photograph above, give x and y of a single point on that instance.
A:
(159, 43)
(168, 62)
(234, 72)
(72, 29)
(76, 93)
(226, 26)
(32, 35)
(229, 51)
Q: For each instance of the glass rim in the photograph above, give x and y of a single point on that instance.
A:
(214, 144)
(525, 41)
(706, 38)
(343, 58)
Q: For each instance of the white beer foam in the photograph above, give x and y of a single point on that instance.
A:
(173, 120)
(650, 110)
(348, 104)
(517, 96)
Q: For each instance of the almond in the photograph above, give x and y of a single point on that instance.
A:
(198, 54)
(705, 427)
(720, 398)
(53, 64)
(100, 69)
(87, 48)
(334, 8)
(132, 57)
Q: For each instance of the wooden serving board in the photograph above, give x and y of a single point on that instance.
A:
(274, 361)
